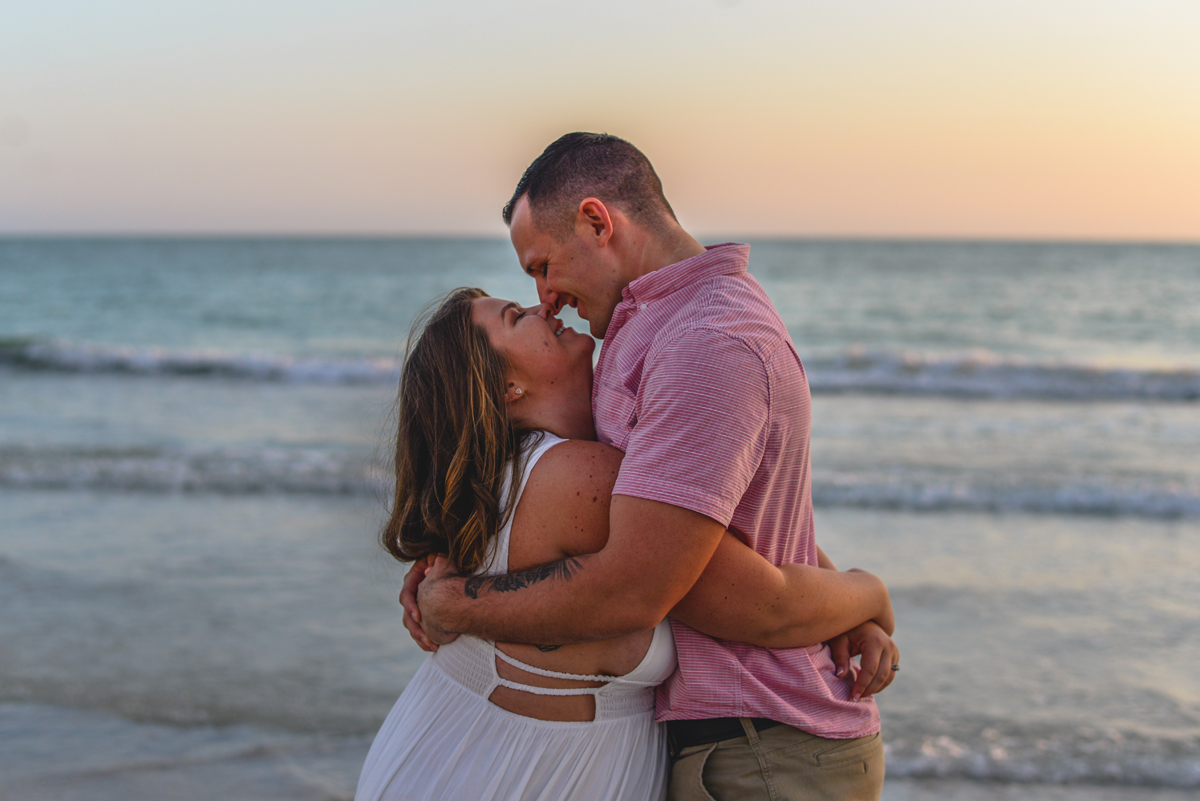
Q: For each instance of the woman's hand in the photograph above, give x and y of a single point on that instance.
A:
(880, 658)
(428, 590)
(408, 600)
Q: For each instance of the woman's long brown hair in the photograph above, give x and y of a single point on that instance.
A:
(453, 441)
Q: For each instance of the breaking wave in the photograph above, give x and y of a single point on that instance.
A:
(976, 375)
(222, 471)
(1048, 754)
(85, 358)
(248, 471)
(1082, 498)
(985, 375)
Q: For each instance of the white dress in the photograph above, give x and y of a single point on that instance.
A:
(445, 740)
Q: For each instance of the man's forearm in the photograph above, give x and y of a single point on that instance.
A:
(655, 553)
(555, 604)
(511, 582)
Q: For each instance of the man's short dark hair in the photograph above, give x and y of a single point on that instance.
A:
(580, 165)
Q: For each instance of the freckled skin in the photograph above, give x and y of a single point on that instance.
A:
(538, 359)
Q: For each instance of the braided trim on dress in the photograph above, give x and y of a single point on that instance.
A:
(554, 674)
(529, 688)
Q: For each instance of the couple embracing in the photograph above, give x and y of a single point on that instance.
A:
(594, 553)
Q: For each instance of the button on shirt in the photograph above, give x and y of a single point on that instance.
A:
(699, 383)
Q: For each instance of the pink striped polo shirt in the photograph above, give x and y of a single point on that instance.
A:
(699, 383)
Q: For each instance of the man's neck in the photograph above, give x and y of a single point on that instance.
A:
(652, 251)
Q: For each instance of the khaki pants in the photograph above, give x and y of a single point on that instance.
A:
(779, 763)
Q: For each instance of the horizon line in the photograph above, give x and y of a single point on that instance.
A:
(713, 238)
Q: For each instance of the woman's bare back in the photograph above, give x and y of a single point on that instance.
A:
(563, 512)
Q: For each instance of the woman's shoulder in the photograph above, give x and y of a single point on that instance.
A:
(571, 469)
(564, 507)
(577, 455)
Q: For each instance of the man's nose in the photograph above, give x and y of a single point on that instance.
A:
(548, 296)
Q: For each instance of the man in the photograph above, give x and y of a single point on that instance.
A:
(699, 384)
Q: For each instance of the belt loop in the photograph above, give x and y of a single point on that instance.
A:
(751, 732)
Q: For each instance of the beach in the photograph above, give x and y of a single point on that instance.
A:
(193, 470)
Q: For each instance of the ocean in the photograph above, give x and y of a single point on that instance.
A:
(193, 451)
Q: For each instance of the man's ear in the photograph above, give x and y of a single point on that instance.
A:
(594, 218)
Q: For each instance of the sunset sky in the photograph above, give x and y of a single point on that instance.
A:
(924, 118)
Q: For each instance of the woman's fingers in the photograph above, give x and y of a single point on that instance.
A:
(867, 668)
(408, 600)
(441, 568)
(417, 633)
(890, 661)
(879, 653)
(839, 648)
(885, 674)
(408, 593)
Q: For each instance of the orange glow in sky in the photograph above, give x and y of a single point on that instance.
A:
(924, 119)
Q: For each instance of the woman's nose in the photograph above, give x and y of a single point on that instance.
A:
(543, 310)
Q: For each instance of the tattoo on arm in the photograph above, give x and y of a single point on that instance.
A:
(545, 649)
(511, 582)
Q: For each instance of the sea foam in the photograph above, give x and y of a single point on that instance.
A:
(65, 357)
(986, 375)
(973, 375)
(313, 471)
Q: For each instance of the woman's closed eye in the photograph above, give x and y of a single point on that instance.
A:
(513, 313)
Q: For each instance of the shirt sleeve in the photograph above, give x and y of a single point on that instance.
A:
(701, 425)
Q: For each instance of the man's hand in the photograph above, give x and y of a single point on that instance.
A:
(440, 578)
(879, 654)
(408, 600)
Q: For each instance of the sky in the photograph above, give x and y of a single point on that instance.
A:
(1053, 119)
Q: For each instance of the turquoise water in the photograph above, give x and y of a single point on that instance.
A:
(190, 487)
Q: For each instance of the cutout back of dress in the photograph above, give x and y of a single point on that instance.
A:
(472, 661)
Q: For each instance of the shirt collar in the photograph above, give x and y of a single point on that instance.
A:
(725, 259)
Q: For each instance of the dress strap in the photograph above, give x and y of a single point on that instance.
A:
(529, 688)
(554, 674)
(496, 562)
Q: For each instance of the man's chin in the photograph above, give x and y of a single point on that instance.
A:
(597, 327)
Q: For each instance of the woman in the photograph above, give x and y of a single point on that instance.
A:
(496, 467)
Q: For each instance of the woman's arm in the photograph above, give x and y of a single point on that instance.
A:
(744, 598)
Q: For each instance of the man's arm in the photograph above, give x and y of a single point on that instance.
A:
(654, 555)
(691, 456)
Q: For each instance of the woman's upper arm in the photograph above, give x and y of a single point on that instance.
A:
(563, 510)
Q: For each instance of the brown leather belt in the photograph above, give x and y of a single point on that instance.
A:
(686, 733)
